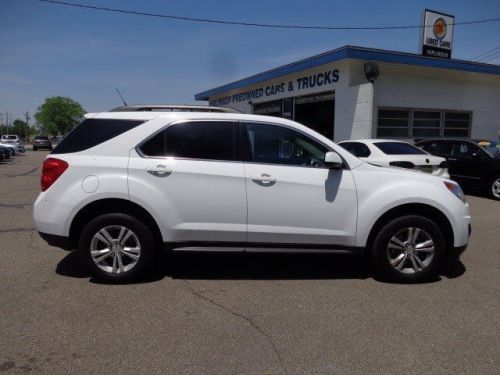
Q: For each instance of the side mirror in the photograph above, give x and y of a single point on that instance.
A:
(333, 160)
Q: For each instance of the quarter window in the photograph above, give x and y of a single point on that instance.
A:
(272, 144)
(194, 140)
(92, 132)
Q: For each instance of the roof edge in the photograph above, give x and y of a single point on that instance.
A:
(357, 53)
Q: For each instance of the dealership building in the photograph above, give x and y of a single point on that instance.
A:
(356, 92)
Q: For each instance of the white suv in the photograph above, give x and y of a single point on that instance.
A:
(123, 184)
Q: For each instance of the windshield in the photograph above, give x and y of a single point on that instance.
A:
(493, 147)
(43, 138)
(399, 148)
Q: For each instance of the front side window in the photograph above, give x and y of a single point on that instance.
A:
(358, 149)
(193, 140)
(271, 144)
(464, 149)
(398, 148)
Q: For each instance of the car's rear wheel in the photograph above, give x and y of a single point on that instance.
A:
(116, 247)
(34, 148)
(409, 249)
(495, 188)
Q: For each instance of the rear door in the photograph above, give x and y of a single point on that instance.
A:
(188, 174)
(294, 200)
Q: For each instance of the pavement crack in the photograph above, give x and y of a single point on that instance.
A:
(241, 316)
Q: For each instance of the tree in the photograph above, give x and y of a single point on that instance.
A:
(58, 115)
(21, 128)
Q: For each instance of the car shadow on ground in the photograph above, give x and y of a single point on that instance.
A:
(248, 266)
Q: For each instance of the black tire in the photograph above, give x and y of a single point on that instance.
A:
(34, 148)
(408, 274)
(491, 188)
(12, 151)
(50, 148)
(143, 235)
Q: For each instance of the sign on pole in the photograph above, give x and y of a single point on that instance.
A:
(437, 34)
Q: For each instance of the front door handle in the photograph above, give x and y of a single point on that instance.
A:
(159, 171)
(264, 178)
(452, 159)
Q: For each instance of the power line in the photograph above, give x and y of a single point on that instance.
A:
(485, 54)
(492, 57)
(236, 23)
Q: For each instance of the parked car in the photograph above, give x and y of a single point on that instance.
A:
(391, 153)
(5, 152)
(469, 164)
(13, 148)
(123, 183)
(13, 142)
(42, 141)
(10, 138)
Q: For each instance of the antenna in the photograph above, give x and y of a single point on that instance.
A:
(121, 97)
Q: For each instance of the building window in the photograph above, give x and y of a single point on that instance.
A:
(393, 123)
(422, 123)
(457, 124)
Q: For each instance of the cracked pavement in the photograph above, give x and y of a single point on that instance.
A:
(239, 313)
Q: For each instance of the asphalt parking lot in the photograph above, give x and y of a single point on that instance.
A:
(239, 314)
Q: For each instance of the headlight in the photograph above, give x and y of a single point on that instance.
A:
(456, 190)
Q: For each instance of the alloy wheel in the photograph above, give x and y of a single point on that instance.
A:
(495, 188)
(115, 249)
(411, 250)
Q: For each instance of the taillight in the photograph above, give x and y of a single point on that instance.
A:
(52, 169)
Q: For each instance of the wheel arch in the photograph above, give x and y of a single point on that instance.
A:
(421, 209)
(110, 205)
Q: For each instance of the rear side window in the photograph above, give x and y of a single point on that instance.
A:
(437, 148)
(398, 148)
(193, 140)
(92, 132)
(359, 150)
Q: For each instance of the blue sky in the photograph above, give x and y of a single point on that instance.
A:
(48, 50)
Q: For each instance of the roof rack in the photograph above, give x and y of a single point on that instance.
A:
(172, 108)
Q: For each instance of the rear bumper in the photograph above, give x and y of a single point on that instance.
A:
(57, 241)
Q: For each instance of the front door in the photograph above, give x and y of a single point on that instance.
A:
(189, 171)
(294, 200)
(466, 163)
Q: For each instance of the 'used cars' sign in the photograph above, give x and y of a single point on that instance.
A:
(437, 34)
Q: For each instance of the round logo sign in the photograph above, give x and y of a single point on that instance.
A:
(439, 28)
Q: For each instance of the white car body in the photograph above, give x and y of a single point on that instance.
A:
(425, 162)
(240, 206)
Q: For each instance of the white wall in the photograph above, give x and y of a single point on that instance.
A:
(432, 88)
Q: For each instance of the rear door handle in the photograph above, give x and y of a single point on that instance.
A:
(265, 178)
(452, 159)
(159, 171)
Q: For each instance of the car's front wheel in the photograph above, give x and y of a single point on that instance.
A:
(409, 249)
(495, 188)
(116, 247)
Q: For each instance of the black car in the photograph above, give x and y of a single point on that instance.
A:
(468, 163)
(42, 141)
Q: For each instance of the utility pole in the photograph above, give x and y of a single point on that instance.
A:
(27, 130)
